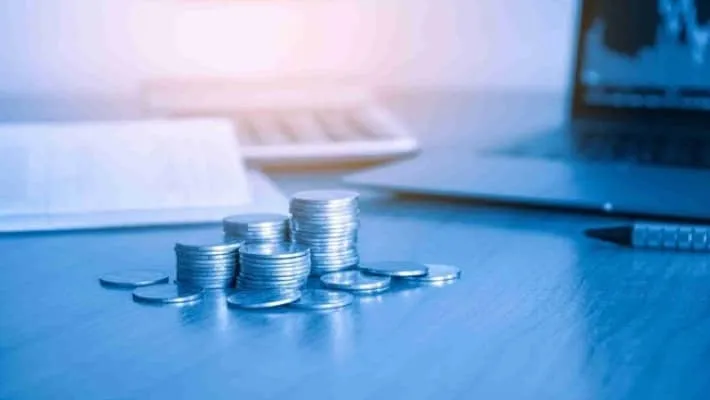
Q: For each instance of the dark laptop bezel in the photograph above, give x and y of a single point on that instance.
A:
(579, 110)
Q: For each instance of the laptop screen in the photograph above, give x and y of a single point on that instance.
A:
(645, 55)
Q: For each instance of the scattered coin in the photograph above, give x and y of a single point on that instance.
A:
(166, 294)
(133, 278)
(355, 281)
(438, 273)
(253, 299)
(321, 299)
(398, 269)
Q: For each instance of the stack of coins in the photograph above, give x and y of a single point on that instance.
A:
(265, 266)
(211, 266)
(256, 228)
(327, 221)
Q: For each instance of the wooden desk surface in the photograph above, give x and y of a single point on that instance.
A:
(540, 313)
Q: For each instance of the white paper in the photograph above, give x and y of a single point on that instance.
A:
(55, 176)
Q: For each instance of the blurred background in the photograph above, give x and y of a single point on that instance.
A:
(108, 47)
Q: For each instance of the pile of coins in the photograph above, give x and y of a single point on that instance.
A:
(327, 222)
(266, 266)
(211, 266)
(256, 228)
(269, 270)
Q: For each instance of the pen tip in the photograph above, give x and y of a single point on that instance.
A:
(618, 235)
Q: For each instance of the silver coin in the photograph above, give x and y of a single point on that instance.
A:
(339, 203)
(297, 281)
(165, 293)
(335, 266)
(133, 278)
(187, 275)
(207, 248)
(325, 217)
(249, 235)
(329, 270)
(275, 268)
(283, 237)
(255, 219)
(206, 256)
(321, 299)
(325, 196)
(354, 281)
(347, 252)
(399, 269)
(207, 285)
(206, 267)
(258, 229)
(369, 292)
(325, 241)
(198, 262)
(305, 208)
(438, 273)
(274, 250)
(275, 271)
(333, 227)
(335, 258)
(283, 278)
(270, 228)
(300, 206)
(269, 285)
(267, 260)
(206, 270)
(262, 299)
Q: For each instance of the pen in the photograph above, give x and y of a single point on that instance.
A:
(656, 236)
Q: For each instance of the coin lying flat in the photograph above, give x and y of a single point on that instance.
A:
(133, 278)
(211, 248)
(398, 269)
(437, 273)
(166, 294)
(253, 299)
(321, 299)
(355, 281)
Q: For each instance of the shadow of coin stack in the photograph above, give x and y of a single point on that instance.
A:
(211, 266)
(264, 227)
(327, 222)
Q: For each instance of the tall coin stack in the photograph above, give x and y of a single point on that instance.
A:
(265, 266)
(212, 266)
(327, 221)
(256, 228)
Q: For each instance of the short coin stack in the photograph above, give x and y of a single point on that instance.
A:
(264, 227)
(266, 266)
(210, 266)
(327, 221)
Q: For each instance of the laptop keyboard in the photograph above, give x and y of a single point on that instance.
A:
(682, 152)
(306, 127)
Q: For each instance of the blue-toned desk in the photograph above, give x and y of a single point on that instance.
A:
(541, 312)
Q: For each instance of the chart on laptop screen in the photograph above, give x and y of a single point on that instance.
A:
(646, 54)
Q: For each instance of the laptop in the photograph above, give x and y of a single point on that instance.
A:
(637, 138)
